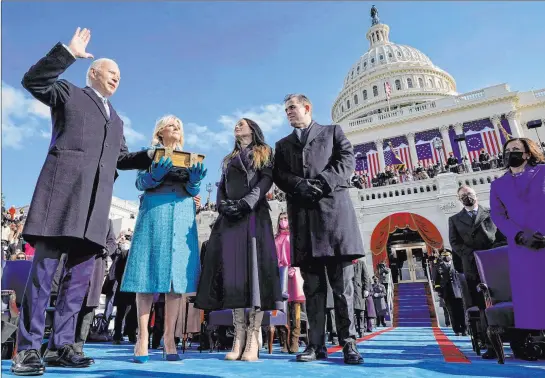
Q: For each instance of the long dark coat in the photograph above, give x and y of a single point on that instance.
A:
(240, 267)
(362, 282)
(327, 228)
(446, 277)
(99, 270)
(467, 235)
(74, 190)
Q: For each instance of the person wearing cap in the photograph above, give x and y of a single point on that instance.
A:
(240, 267)
(449, 287)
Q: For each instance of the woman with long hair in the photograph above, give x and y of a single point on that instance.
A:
(164, 254)
(517, 202)
(240, 269)
(295, 292)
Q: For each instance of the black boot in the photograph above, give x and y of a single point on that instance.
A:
(351, 354)
(27, 362)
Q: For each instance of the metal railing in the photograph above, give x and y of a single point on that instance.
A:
(390, 297)
(432, 292)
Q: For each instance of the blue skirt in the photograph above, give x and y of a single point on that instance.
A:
(164, 253)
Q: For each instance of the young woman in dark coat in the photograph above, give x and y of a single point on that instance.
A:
(240, 268)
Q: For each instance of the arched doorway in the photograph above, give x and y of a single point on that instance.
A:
(406, 239)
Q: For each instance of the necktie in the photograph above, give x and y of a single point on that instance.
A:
(106, 107)
(472, 213)
(299, 133)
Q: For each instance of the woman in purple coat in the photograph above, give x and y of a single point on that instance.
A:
(517, 203)
(240, 268)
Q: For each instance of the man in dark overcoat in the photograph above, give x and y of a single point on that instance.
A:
(449, 287)
(313, 166)
(90, 302)
(71, 202)
(362, 288)
(472, 230)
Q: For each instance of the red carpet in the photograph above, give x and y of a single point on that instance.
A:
(450, 352)
(367, 337)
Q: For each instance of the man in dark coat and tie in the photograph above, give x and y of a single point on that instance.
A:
(472, 230)
(71, 202)
(313, 166)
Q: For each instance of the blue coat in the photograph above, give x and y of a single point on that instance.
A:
(164, 253)
(517, 204)
(74, 190)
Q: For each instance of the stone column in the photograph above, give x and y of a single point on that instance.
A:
(446, 140)
(379, 144)
(496, 122)
(412, 149)
(516, 130)
(459, 129)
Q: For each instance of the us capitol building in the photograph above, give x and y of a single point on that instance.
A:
(395, 98)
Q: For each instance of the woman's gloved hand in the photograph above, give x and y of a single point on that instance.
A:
(160, 169)
(530, 239)
(197, 172)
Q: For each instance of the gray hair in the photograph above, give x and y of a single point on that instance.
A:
(95, 66)
(301, 98)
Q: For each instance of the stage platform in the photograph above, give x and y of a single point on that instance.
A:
(418, 352)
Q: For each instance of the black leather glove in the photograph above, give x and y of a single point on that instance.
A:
(308, 190)
(530, 239)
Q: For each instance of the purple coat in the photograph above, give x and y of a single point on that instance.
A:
(516, 204)
(240, 268)
(74, 190)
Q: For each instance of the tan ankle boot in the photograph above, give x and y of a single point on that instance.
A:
(239, 321)
(251, 352)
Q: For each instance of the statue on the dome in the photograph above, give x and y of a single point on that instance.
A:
(374, 16)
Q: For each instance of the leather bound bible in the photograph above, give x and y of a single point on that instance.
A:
(179, 159)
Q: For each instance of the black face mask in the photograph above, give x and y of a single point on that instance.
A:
(468, 201)
(514, 158)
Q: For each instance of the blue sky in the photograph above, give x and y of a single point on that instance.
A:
(211, 63)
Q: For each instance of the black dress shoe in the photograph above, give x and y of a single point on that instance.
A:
(312, 353)
(69, 358)
(50, 356)
(27, 362)
(490, 354)
(90, 359)
(351, 354)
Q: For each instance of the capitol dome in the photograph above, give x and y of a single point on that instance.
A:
(411, 75)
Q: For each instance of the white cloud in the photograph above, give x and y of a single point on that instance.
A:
(205, 138)
(23, 117)
(269, 117)
(131, 135)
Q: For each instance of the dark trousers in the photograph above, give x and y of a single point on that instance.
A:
(360, 325)
(457, 315)
(78, 268)
(340, 276)
(126, 321)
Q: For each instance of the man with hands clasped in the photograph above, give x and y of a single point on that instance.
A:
(71, 202)
(313, 166)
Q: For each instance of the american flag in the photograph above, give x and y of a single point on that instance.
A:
(370, 165)
(486, 138)
(401, 152)
(388, 89)
(426, 153)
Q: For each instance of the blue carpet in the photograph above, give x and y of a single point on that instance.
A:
(413, 310)
(401, 352)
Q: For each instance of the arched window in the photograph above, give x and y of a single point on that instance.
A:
(390, 55)
(409, 82)
(364, 64)
(430, 83)
(358, 69)
(399, 54)
(372, 60)
(398, 85)
(342, 108)
(355, 99)
(347, 104)
(375, 91)
(378, 36)
(381, 57)
(365, 95)
(420, 82)
(352, 75)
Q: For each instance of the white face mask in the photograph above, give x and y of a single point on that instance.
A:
(125, 246)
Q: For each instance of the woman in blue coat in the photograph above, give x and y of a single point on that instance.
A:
(164, 255)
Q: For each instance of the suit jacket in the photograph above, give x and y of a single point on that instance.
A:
(327, 228)
(74, 190)
(362, 282)
(467, 235)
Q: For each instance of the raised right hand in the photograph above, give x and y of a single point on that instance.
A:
(79, 42)
(160, 169)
